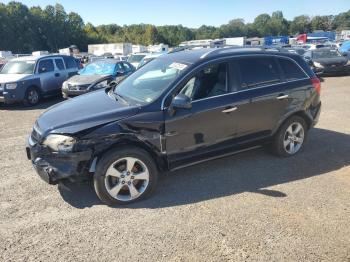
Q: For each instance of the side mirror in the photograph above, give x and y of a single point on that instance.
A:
(120, 72)
(181, 101)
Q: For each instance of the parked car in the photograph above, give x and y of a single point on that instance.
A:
(181, 109)
(294, 50)
(96, 75)
(148, 58)
(327, 61)
(135, 59)
(28, 79)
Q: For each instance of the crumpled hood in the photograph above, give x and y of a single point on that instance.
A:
(83, 112)
(8, 78)
(84, 79)
(331, 61)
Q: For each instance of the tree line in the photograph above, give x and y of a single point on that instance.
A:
(25, 29)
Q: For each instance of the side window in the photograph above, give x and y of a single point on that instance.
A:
(119, 68)
(210, 81)
(127, 68)
(258, 71)
(59, 64)
(291, 70)
(46, 66)
(70, 62)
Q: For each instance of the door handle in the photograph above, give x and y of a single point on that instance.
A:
(282, 97)
(229, 110)
(57, 74)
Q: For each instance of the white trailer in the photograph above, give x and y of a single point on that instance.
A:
(116, 48)
(6, 54)
(39, 53)
(138, 49)
(235, 41)
(158, 48)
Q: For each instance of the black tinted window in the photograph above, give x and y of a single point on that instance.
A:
(46, 66)
(127, 68)
(291, 70)
(210, 81)
(70, 62)
(258, 71)
(59, 64)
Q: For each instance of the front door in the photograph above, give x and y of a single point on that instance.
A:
(208, 125)
(46, 71)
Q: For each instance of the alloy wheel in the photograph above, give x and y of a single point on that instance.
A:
(33, 97)
(293, 138)
(127, 179)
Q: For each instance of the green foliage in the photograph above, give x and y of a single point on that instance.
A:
(24, 29)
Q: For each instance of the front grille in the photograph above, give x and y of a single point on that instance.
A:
(77, 87)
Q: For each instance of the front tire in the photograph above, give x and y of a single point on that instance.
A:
(124, 176)
(290, 138)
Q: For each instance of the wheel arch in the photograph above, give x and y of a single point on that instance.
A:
(301, 113)
(158, 159)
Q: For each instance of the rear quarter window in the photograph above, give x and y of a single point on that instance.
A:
(291, 70)
(258, 71)
(70, 62)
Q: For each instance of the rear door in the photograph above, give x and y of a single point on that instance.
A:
(263, 97)
(61, 73)
(71, 66)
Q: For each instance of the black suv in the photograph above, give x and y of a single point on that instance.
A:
(178, 110)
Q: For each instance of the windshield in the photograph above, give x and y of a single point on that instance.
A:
(18, 67)
(147, 84)
(145, 61)
(135, 58)
(326, 54)
(99, 68)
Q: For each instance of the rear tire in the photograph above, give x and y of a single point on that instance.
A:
(124, 176)
(290, 138)
(32, 97)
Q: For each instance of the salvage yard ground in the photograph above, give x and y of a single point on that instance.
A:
(251, 206)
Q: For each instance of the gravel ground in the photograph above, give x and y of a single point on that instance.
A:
(247, 207)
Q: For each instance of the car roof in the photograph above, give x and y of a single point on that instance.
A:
(35, 58)
(107, 60)
(194, 56)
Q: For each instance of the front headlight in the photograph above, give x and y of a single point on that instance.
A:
(11, 86)
(102, 84)
(318, 65)
(60, 143)
(65, 85)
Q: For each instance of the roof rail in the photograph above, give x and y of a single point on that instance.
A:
(231, 49)
(179, 49)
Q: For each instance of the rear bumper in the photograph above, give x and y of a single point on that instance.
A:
(315, 112)
(52, 166)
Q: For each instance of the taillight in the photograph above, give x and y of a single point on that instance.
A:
(316, 84)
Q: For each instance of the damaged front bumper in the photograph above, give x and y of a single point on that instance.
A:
(54, 166)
